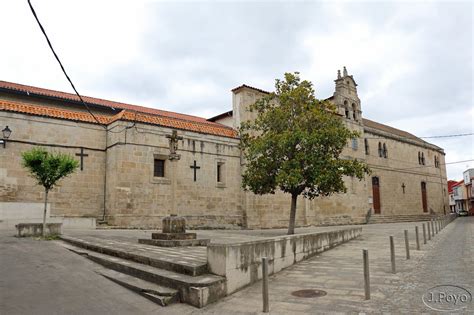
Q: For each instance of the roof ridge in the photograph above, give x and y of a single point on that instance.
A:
(135, 116)
(98, 101)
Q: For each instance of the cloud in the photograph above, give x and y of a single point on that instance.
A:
(412, 61)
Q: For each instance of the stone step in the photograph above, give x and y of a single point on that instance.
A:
(140, 253)
(195, 290)
(158, 294)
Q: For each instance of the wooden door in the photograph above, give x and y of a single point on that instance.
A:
(424, 201)
(376, 194)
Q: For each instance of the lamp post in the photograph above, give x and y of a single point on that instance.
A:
(6, 134)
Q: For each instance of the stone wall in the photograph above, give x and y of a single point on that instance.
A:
(402, 168)
(241, 262)
(137, 198)
(80, 194)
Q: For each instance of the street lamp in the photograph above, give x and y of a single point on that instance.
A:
(6, 134)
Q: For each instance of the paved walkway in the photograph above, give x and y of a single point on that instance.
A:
(446, 259)
(220, 236)
(42, 278)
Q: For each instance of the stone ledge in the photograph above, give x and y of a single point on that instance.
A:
(175, 243)
(36, 229)
(173, 236)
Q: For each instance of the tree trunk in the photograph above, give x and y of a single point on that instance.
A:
(44, 213)
(291, 227)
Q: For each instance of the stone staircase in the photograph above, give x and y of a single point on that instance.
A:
(162, 275)
(377, 218)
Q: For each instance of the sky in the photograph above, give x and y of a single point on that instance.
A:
(412, 61)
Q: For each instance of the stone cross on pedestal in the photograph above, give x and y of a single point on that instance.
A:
(173, 139)
(403, 187)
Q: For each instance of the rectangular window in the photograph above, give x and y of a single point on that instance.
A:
(366, 143)
(219, 172)
(355, 144)
(159, 168)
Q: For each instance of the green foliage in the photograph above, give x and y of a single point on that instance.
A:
(295, 143)
(48, 168)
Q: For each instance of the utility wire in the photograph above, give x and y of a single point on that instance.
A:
(60, 64)
(68, 78)
(128, 127)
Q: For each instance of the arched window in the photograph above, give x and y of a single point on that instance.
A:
(346, 109)
(385, 152)
(354, 111)
(380, 150)
(366, 144)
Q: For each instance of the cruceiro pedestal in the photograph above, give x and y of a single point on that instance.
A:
(174, 234)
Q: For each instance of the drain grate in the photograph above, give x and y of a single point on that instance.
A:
(309, 293)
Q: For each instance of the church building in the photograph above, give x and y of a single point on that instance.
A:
(140, 164)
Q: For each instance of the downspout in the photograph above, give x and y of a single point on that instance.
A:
(105, 172)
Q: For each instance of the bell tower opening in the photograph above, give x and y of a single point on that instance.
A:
(346, 98)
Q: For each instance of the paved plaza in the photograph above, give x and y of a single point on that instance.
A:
(43, 278)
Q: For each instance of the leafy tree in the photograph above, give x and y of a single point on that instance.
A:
(294, 144)
(48, 168)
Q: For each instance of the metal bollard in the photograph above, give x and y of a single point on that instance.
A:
(429, 231)
(424, 233)
(392, 255)
(266, 306)
(407, 244)
(365, 255)
(417, 238)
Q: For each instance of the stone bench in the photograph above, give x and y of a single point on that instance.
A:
(35, 229)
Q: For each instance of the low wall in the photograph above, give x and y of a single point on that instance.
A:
(240, 262)
(35, 229)
(12, 213)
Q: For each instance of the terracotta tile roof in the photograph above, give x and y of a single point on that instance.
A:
(44, 111)
(249, 87)
(171, 122)
(388, 129)
(208, 128)
(223, 115)
(96, 101)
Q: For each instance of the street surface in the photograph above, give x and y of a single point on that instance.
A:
(40, 277)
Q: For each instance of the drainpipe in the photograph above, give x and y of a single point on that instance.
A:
(105, 172)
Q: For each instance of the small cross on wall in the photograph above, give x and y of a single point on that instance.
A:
(195, 168)
(82, 155)
(403, 187)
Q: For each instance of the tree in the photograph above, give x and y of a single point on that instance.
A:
(294, 144)
(48, 168)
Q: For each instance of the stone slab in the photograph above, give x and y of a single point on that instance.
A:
(36, 229)
(186, 260)
(175, 243)
(173, 236)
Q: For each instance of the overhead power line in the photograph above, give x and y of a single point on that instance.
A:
(67, 76)
(449, 136)
(60, 64)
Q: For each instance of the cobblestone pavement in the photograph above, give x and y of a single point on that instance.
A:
(446, 259)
